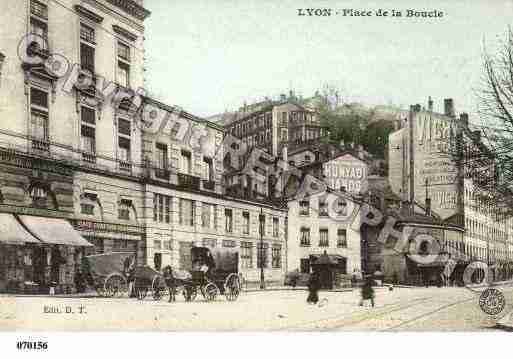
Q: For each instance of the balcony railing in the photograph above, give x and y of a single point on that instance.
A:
(40, 145)
(125, 166)
(89, 157)
(188, 181)
(162, 173)
(209, 185)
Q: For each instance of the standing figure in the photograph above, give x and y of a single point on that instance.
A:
(129, 269)
(314, 285)
(367, 291)
(170, 281)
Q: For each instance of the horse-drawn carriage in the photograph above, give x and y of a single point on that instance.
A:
(204, 277)
(108, 273)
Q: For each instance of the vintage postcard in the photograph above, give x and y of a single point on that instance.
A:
(213, 166)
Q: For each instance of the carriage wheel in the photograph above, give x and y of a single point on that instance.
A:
(190, 293)
(210, 292)
(232, 287)
(115, 284)
(100, 291)
(158, 287)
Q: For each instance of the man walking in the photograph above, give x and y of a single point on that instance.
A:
(367, 291)
(313, 288)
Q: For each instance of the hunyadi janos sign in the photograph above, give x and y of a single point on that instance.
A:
(346, 171)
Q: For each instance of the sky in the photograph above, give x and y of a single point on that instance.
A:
(210, 56)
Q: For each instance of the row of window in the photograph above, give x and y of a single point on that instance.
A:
(340, 207)
(479, 204)
(39, 129)
(185, 162)
(39, 26)
(246, 255)
(481, 230)
(296, 117)
(187, 215)
(263, 120)
(40, 134)
(124, 208)
(258, 139)
(304, 237)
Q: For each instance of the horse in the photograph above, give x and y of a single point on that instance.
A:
(171, 282)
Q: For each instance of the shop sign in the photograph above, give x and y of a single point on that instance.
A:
(83, 225)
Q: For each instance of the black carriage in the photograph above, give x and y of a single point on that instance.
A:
(213, 277)
(205, 277)
(146, 280)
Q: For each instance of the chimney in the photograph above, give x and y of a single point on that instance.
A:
(430, 104)
(449, 107)
(417, 108)
(464, 118)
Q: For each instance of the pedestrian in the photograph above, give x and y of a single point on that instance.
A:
(313, 288)
(79, 281)
(367, 291)
(129, 269)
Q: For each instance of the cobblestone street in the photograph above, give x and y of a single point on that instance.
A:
(412, 309)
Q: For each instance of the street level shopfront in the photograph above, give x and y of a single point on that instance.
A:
(38, 253)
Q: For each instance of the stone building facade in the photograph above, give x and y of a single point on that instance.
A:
(444, 183)
(76, 154)
(320, 238)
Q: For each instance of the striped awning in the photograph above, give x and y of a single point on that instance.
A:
(54, 231)
(12, 232)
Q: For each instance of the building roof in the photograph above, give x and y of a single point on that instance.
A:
(228, 118)
(183, 113)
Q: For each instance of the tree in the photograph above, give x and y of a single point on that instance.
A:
(496, 111)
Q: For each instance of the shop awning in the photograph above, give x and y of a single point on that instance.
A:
(54, 231)
(12, 232)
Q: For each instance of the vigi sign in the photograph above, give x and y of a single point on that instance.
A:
(346, 171)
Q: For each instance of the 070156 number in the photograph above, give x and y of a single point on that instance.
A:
(26, 345)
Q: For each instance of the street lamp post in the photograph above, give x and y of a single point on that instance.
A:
(262, 278)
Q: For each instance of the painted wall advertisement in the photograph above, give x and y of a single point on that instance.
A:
(346, 171)
(435, 170)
